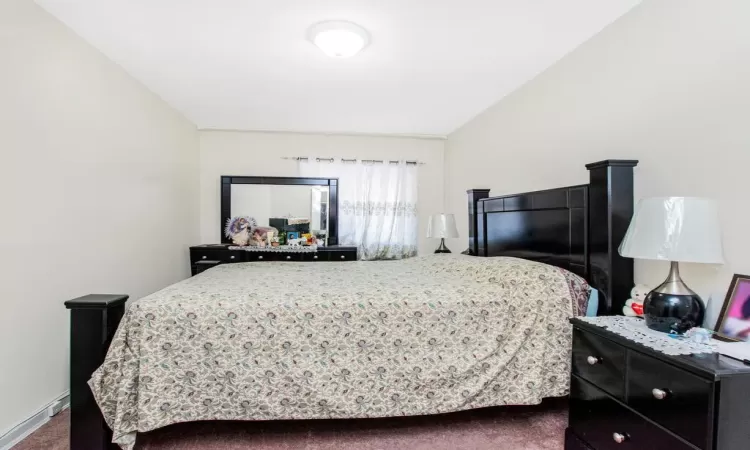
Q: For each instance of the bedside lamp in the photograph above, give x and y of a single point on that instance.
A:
(675, 229)
(442, 226)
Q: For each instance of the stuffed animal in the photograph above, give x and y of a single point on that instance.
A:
(634, 305)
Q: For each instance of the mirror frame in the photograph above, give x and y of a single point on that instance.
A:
(333, 199)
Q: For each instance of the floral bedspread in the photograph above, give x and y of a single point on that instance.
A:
(275, 340)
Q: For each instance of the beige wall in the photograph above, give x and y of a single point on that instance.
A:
(251, 153)
(668, 84)
(98, 187)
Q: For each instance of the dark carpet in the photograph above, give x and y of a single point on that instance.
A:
(504, 428)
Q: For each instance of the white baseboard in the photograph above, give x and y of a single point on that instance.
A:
(28, 426)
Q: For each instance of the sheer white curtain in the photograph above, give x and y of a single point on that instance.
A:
(377, 205)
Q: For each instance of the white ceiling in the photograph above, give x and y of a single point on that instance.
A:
(245, 64)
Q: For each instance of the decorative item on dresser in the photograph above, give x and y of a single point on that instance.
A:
(204, 257)
(625, 395)
(442, 226)
(238, 229)
(577, 228)
(674, 229)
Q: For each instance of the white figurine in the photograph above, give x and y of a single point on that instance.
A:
(295, 242)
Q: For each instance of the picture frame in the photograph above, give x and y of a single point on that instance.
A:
(733, 322)
(292, 235)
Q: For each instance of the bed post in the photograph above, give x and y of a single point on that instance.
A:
(476, 230)
(610, 210)
(93, 321)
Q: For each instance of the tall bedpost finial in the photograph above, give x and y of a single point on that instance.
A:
(611, 204)
(476, 228)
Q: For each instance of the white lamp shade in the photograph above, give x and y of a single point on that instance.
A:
(682, 229)
(442, 226)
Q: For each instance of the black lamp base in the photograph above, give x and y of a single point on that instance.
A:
(672, 306)
(442, 248)
(678, 313)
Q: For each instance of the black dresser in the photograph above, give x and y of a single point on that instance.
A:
(626, 396)
(203, 257)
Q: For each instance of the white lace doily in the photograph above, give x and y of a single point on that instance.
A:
(279, 249)
(635, 329)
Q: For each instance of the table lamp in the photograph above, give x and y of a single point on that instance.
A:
(675, 229)
(442, 226)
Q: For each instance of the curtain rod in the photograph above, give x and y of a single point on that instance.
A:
(352, 160)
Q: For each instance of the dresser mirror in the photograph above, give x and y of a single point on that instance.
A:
(265, 202)
(277, 201)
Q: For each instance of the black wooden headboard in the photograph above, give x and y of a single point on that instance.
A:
(577, 228)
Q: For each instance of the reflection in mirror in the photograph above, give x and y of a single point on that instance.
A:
(319, 208)
(266, 202)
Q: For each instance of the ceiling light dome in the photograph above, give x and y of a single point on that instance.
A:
(339, 39)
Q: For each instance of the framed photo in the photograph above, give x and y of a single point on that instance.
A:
(292, 235)
(734, 319)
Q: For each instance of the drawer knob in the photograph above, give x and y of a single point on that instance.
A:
(593, 360)
(203, 257)
(315, 257)
(343, 257)
(288, 257)
(260, 256)
(231, 257)
(659, 394)
(619, 438)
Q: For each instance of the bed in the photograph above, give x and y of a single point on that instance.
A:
(427, 335)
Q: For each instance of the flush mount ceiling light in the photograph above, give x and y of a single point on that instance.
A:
(338, 38)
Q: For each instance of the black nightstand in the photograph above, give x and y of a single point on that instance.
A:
(626, 396)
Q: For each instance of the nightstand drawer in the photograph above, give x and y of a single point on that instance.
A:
(672, 397)
(602, 422)
(600, 361)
